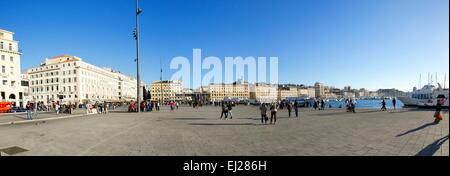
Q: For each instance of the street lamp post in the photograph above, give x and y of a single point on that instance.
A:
(136, 36)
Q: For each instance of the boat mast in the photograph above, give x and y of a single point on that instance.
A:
(420, 81)
(445, 81)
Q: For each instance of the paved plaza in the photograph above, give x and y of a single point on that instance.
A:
(199, 132)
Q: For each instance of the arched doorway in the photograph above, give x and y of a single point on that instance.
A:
(12, 99)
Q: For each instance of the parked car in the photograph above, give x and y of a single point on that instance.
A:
(18, 109)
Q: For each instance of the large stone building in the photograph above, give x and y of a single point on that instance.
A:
(265, 93)
(285, 92)
(320, 89)
(307, 92)
(237, 90)
(10, 81)
(68, 79)
(167, 91)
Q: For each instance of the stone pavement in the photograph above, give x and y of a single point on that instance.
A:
(199, 132)
(13, 117)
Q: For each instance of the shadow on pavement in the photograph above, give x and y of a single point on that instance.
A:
(186, 119)
(222, 124)
(431, 149)
(416, 129)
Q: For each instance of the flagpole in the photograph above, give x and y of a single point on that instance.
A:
(138, 11)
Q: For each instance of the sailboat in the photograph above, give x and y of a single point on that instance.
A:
(426, 97)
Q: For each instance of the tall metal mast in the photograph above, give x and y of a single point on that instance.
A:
(136, 36)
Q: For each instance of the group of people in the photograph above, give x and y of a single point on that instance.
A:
(227, 110)
(149, 106)
(99, 108)
(350, 105)
(319, 105)
(35, 107)
(273, 109)
(383, 104)
(145, 106)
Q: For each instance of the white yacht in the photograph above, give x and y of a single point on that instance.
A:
(425, 97)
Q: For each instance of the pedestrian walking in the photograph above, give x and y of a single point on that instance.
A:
(353, 106)
(172, 106)
(263, 110)
(289, 108)
(230, 107)
(383, 105)
(322, 103)
(57, 108)
(273, 114)
(224, 113)
(394, 103)
(29, 111)
(438, 114)
(296, 106)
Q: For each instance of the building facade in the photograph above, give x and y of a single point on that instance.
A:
(307, 92)
(219, 92)
(287, 92)
(10, 85)
(265, 93)
(166, 91)
(68, 79)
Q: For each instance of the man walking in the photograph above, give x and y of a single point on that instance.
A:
(264, 117)
(296, 108)
(394, 103)
(230, 107)
(383, 105)
(289, 108)
(273, 114)
(224, 109)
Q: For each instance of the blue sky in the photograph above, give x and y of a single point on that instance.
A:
(362, 43)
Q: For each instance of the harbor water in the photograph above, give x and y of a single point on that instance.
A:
(365, 104)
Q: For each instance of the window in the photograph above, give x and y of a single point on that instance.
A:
(3, 57)
(3, 69)
(10, 47)
(1, 45)
(5, 82)
(11, 70)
